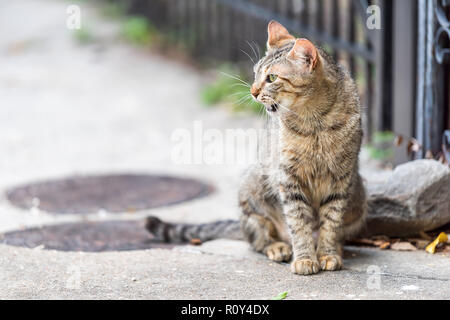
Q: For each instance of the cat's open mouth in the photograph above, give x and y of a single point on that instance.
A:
(272, 108)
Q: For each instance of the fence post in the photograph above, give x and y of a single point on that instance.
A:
(431, 90)
(404, 72)
(383, 51)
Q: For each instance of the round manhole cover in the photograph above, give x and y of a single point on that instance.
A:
(86, 236)
(112, 193)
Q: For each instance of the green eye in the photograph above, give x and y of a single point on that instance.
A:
(271, 78)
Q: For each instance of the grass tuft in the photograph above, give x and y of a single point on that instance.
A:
(84, 35)
(138, 30)
(231, 90)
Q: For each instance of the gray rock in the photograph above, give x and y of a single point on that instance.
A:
(414, 197)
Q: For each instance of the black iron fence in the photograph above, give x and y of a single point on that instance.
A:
(381, 55)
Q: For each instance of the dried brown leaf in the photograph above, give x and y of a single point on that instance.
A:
(364, 241)
(413, 146)
(398, 140)
(196, 242)
(384, 245)
(403, 246)
(420, 244)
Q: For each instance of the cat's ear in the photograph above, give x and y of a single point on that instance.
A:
(278, 35)
(305, 52)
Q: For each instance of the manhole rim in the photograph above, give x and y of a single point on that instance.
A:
(206, 189)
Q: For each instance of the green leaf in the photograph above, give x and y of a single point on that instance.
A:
(280, 296)
(138, 30)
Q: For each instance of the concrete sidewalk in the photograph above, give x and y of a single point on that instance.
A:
(108, 107)
(217, 270)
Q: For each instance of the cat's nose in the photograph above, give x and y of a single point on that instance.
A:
(255, 91)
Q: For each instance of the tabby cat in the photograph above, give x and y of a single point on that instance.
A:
(309, 181)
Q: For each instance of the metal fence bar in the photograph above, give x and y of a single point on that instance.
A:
(404, 74)
(384, 50)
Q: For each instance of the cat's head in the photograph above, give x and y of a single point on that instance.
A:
(290, 73)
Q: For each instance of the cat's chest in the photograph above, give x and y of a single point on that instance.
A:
(310, 153)
(311, 162)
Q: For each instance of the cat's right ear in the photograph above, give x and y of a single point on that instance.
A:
(278, 35)
(305, 53)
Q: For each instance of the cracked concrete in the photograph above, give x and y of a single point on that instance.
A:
(108, 107)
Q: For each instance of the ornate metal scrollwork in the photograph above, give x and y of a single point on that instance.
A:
(442, 35)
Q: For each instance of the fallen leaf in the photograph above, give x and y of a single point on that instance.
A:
(441, 238)
(398, 140)
(413, 146)
(196, 242)
(280, 296)
(385, 245)
(441, 157)
(419, 243)
(364, 241)
(403, 246)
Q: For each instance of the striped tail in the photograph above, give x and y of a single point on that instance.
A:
(180, 233)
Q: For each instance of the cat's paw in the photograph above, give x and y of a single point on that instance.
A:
(305, 266)
(279, 251)
(330, 262)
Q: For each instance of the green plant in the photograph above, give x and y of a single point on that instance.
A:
(232, 89)
(83, 35)
(280, 296)
(383, 137)
(381, 147)
(138, 30)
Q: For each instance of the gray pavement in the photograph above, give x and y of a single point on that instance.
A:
(107, 107)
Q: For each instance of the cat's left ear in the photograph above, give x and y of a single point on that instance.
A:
(277, 35)
(305, 52)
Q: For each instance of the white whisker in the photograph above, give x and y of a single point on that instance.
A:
(234, 77)
(256, 56)
(239, 84)
(247, 56)
(257, 48)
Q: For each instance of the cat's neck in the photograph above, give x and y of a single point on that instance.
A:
(311, 115)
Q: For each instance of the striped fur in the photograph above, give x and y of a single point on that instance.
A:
(308, 179)
(182, 233)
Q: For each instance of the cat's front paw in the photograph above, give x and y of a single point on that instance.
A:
(305, 266)
(279, 251)
(330, 262)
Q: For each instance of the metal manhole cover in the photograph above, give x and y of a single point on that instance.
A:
(112, 193)
(86, 236)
